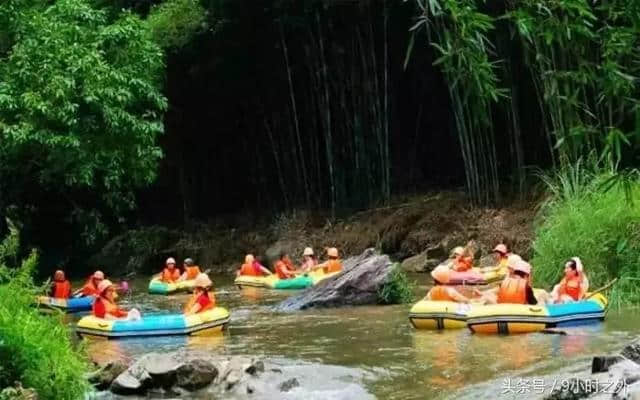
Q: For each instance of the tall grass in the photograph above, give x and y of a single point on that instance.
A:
(591, 216)
(35, 350)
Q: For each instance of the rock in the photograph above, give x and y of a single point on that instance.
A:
(276, 370)
(419, 263)
(288, 385)
(254, 368)
(576, 389)
(358, 284)
(137, 379)
(126, 383)
(18, 393)
(632, 352)
(602, 363)
(103, 377)
(195, 374)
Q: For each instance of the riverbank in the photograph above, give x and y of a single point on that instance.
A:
(427, 225)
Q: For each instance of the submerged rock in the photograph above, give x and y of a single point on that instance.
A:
(288, 384)
(359, 283)
(632, 352)
(602, 363)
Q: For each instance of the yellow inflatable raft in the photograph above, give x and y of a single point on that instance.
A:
(212, 320)
(519, 318)
(273, 282)
(428, 314)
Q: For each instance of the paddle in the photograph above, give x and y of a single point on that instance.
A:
(605, 287)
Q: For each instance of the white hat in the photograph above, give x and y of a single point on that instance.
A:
(308, 251)
(203, 281)
(170, 260)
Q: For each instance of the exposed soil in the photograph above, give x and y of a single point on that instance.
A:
(436, 222)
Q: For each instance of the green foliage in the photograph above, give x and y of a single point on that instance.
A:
(586, 68)
(174, 22)
(398, 289)
(35, 350)
(459, 32)
(80, 103)
(583, 61)
(589, 218)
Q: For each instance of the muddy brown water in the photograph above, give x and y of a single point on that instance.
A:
(372, 351)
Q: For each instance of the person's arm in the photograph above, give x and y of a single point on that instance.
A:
(194, 309)
(264, 270)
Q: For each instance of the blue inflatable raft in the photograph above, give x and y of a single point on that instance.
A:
(67, 305)
(156, 325)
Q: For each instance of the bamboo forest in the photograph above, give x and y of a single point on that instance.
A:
(319, 199)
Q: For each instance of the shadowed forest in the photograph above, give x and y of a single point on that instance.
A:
(190, 111)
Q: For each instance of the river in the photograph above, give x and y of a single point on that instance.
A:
(372, 351)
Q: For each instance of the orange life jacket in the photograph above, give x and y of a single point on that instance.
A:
(249, 269)
(440, 293)
(61, 290)
(513, 290)
(89, 289)
(571, 287)
(109, 308)
(194, 299)
(192, 272)
(169, 276)
(463, 264)
(282, 268)
(332, 266)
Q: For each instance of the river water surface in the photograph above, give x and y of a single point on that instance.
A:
(372, 351)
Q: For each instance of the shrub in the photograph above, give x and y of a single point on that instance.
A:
(35, 349)
(398, 289)
(597, 222)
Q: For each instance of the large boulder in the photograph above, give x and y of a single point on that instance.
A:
(360, 282)
(196, 374)
(423, 262)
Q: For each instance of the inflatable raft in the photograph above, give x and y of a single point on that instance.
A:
(67, 305)
(156, 286)
(518, 318)
(477, 276)
(273, 282)
(428, 314)
(156, 325)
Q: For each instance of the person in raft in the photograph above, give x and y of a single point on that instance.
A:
(284, 267)
(105, 306)
(61, 287)
(191, 271)
(333, 263)
(502, 257)
(309, 260)
(202, 299)
(90, 288)
(463, 260)
(252, 267)
(514, 289)
(440, 292)
(573, 286)
(170, 273)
